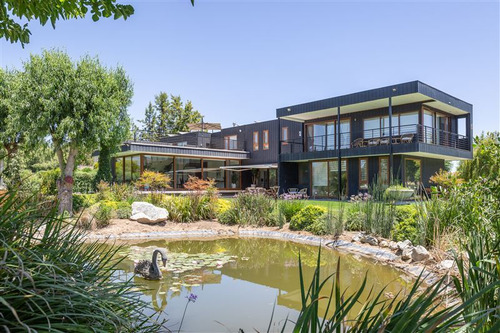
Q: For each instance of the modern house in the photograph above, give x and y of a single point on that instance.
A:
(334, 147)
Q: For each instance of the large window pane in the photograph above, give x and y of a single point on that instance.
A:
(136, 167)
(429, 126)
(363, 173)
(330, 136)
(128, 168)
(333, 167)
(371, 128)
(273, 177)
(319, 137)
(119, 170)
(412, 173)
(408, 122)
(320, 179)
(383, 174)
(163, 164)
(212, 170)
(233, 177)
(185, 167)
(345, 134)
(304, 174)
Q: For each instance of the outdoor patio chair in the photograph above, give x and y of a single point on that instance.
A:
(396, 139)
(359, 142)
(373, 142)
(293, 190)
(384, 141)
(303, 191)
(407, 138)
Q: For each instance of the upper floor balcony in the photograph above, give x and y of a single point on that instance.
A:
(404, 139)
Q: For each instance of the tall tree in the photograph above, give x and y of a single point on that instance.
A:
(75, 105)
(149, 123)
(168, 115)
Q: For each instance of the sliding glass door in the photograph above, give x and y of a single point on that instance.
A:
(325, 179)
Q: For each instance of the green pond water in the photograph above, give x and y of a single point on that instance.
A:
(238, 280)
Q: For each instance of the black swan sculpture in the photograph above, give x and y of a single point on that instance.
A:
(149, 269)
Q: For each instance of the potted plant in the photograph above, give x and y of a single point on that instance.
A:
(234, 179)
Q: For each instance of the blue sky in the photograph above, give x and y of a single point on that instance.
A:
(238, 61)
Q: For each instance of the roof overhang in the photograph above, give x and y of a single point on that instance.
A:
(401, 94)
(240, 168)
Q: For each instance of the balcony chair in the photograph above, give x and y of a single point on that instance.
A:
(359, 142)
(384, 141)
(407, 138)
(293, 190)
(373, 142)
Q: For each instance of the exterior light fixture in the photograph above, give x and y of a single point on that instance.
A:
(289, 109)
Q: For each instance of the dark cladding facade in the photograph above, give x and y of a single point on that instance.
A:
(334, 147)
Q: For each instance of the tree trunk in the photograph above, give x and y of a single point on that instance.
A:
(65, 183)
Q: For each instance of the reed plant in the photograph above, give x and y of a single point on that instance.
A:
(50, 280)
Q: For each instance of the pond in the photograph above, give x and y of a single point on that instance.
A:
(238, 281)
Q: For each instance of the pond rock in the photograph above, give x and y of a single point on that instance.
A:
(357, 237)
(406, 253)
(404, 244)
(383, 243)
(369, 239)
(420, 253)
(144, 212)
(446, 264)
(393, 245)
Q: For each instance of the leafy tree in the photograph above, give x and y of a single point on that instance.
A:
(77, 106)
(13, 11)
(167, 115)
(486, 160)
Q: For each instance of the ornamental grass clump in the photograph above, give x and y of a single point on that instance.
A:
(50, 280)
(252, 209)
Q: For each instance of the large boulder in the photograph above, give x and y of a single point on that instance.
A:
(144, 212)
(404, 244)
(419, 253)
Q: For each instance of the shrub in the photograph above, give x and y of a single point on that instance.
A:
(179, 208)
(122, 192)
(230, 216)
(197, 184)
(290, 207)
(83, 201)
(104, 191)
(153, 181)
(222, 206)
(334, 220)
(306, 217)
(123, 210)
(103, 214)
(355, 220)
(84, 180)
(48, 185)
(318, 227)
(253, 209)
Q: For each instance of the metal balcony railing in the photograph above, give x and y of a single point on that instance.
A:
(403, 134)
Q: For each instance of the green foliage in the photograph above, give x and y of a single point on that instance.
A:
(123, 210)
(81, 201)
(167, 115)
(49, 178)
(84, 180)
(355, 220)
(13, 14)
(306, 217)
(252, 209)
(333, 220)
(53, 281)
(78, 105)
(417, 310)
(123, 192)
(407, 229)
(153, 181)
(486, 159)
(190, 208)
(290, 207)
(104, 165)
(104, 213)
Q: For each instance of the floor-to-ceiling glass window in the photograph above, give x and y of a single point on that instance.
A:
(163, 164)
(212, 169)
(429, 127)
(345, 133)
(371, 128)
(333, 179)
(413, 172)
(319, 179)
(273, 177)
(363, 173)
(330, 136)
(119, 170)
(383, 171)
(185, 167)
(408, 123)
(136, 167)
(233, 177)
(128, 168)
